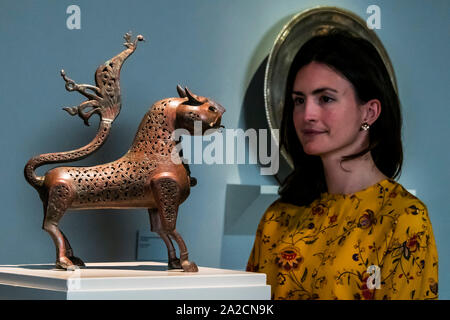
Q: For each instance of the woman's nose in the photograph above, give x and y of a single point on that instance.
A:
(311, 111)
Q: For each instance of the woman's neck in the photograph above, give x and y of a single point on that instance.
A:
(350, 176)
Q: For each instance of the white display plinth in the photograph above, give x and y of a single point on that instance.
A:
(130, 280)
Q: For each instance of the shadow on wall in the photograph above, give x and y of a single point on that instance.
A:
(253, 116)
(245, 203)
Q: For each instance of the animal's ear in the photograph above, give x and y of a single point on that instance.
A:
(192, 100)
(181, 92)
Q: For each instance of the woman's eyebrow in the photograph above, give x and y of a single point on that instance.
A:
(316, 91)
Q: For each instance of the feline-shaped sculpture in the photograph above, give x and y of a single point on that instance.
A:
(150, 175)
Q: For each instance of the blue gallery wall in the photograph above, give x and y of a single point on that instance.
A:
(218, 49)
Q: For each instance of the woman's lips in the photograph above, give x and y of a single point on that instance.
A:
(312, 132)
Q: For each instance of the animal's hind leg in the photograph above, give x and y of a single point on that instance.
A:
(167, 196)
(69, 253)
(155, 222)
(59, 198)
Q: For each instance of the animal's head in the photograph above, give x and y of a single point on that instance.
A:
(194, 108)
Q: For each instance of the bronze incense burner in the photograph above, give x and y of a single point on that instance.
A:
(145, 177)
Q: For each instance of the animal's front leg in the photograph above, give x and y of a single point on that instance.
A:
(155, 223)
(187, 265)
(167, 195)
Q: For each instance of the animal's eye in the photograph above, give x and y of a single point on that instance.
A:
(211, 108)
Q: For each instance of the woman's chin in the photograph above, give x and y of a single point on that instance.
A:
(312, 151)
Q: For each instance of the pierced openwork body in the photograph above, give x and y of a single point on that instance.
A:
(150, 175)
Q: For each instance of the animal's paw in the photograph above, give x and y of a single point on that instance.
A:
(189, 266)
(77, 261)
(174, 264)
(65, 264)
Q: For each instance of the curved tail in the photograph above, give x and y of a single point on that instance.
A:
(62, 157)
(103, 99)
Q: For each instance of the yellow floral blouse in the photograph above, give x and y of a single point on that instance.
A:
(376, 243)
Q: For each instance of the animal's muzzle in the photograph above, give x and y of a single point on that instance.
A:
(216, 123)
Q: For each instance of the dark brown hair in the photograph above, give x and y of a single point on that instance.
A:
(360, 63)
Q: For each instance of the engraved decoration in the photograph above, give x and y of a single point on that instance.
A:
(145, 177)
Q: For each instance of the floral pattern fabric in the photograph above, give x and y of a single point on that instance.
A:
(377, 243)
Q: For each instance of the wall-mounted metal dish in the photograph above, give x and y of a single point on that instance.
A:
(302, 27)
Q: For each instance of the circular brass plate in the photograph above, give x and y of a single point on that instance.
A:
(295, 33)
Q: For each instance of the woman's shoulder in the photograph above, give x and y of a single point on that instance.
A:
(396, 197)
(274, 207)
(400, 197)
(409, 211)
(277, 218)
(279, 209)
(283, 206)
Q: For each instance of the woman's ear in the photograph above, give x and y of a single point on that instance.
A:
(371, 111)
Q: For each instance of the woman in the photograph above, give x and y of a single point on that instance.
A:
(342, 227)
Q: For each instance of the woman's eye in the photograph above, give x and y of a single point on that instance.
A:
(327, 99)
(298, 100)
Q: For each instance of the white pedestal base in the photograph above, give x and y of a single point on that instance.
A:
(130, 280)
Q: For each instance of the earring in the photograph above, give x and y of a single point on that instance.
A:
(365, 126)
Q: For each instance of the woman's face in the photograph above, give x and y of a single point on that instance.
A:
(327, 117)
